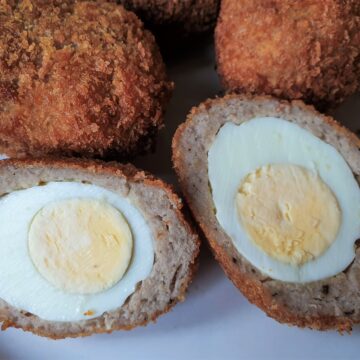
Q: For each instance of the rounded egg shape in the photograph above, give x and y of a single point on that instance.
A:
(239, 150)
(43, 299)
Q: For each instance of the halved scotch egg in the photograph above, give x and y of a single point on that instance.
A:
(88, 247)
(275, 188)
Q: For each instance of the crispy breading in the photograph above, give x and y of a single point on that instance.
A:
(307, 49)
(77, 78)
(184, 16)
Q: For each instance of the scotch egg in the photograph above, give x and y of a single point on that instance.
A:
(288, 200)
(275, 188)
(89, 247)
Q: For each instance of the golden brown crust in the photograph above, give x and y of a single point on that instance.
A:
(182, 17)
(259, 296)
(249, 283)
(132, 175)
(78, 78)
(307, 50)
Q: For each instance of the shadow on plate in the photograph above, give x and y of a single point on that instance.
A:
(192, 86)
(3, 355)
(349, 113)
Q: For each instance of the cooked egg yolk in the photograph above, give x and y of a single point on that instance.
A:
(81, 246)
(289, 212)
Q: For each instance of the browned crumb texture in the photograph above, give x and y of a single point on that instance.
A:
(176, 245)
(326, 304)
(78, 78)
(188, 16)
(307, 49)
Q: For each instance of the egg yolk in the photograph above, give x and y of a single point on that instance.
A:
(288, 212)
(81, 246)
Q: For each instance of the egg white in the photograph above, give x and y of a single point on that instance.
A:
(238, 150)
(23, 287)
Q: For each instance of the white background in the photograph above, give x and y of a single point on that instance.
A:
(215, 321)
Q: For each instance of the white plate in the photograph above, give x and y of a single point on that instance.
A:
(215, 321)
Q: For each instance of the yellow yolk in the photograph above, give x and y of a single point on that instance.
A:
(81, 246)
(289, 212)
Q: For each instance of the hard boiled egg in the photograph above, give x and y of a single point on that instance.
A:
(71, 251)
(287, 199)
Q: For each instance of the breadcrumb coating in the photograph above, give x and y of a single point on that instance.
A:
(307, 49)
(78, 78)
(180, 16)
